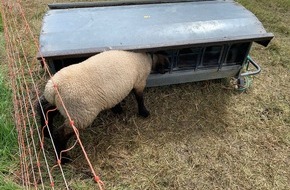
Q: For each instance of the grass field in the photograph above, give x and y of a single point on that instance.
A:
(201, 135)
(8, 135)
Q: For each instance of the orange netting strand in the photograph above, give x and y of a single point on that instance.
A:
(15, 102)
(24, 100)
(33, 114)
(20, 102)
(20, 119)
(68, 115)
(19, 123)
(24, 113)
(96, 178)
(54, 148)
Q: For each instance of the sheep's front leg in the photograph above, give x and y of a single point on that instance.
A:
(140, 101)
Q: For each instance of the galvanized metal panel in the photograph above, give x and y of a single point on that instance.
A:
(90, 30)
(185, 76)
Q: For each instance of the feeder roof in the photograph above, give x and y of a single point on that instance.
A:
(88, 30)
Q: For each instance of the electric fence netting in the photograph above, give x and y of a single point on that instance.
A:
(37, 165)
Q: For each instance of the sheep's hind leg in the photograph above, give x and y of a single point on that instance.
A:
(44, 109)
(60, 139)
(140, 100)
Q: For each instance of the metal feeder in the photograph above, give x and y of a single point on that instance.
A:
(203, 39)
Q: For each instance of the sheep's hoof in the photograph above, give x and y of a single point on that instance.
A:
(144, 113)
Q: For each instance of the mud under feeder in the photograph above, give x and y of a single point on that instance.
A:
(203, 39)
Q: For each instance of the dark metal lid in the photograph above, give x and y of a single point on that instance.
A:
(89, 30)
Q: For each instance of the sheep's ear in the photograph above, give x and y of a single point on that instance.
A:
(162, 63)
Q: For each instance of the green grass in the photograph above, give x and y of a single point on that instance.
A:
(8, 135)
(275, 16)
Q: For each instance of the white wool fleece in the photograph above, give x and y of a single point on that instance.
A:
(98, 83)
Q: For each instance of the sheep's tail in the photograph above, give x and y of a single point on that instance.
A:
(50, 92)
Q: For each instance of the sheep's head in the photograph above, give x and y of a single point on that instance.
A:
(160, 63)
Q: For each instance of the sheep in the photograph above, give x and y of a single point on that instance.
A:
(98, 83)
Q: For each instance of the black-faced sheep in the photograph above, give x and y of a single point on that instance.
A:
(98, 83)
